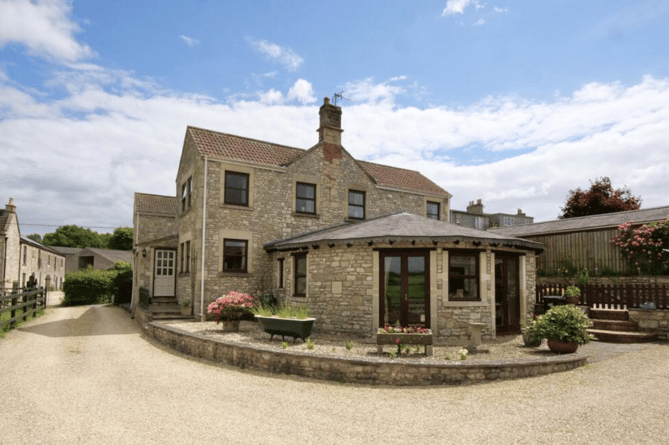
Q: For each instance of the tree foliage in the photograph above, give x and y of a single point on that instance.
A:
(121, 239)
(75, 236)
(600, 198)
(35, 237)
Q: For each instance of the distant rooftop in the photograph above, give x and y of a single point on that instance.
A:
(607, 220)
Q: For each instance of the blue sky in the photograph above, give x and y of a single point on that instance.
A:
(512, 102)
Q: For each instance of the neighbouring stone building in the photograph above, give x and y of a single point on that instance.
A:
(475, 218)
(361, 244)
(21, 258)
(77, 258)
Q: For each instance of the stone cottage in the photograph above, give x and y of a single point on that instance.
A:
(361, 244)
(21, 258)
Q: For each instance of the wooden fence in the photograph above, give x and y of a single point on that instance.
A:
(631, 295)
(25, 302)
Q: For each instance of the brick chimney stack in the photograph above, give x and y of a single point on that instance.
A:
(10, 207)
(330, 130)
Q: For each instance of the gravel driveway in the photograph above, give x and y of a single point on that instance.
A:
(86, 375)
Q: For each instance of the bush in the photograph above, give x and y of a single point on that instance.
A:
(565, 323)
(123, 282)
(88, 286)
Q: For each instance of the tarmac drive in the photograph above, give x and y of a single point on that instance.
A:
(87, 375)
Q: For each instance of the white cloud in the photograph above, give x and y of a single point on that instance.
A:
(479, 22)
(189, 40)
(500, 10)
(271, 97)
(111, 134)
(458, 6)
(366, 90)
(289, 59)
(44, 27)
(302, 91)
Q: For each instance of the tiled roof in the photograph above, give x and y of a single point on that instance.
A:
(25, 240)
(607, 220)
(228, 146)
(401, 178)
(400, 226)
(4, 216)
(156, 204)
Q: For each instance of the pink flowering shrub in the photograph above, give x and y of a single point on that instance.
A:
(643, 246)
(231, 307)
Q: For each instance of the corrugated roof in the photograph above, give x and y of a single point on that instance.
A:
(228, 146)
(156, 204)
(607, 220)
(398, 226)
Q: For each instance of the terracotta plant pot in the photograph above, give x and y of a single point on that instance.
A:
(230, 326)
(562, 347)
(573, 300)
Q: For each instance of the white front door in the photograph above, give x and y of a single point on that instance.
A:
(163, 273)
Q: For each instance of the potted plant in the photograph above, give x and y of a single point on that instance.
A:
(284, 320)
(564, 327)
(229, 310)
(572, 294)
(185, 307)
(530, 333)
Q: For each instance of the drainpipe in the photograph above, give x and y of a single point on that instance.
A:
(204, 231)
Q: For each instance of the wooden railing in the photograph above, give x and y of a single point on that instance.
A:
(631, 295)
(24, 301)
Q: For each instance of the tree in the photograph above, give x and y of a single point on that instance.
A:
(74, 236)
(121, 239)
(600, 198)
(35, 237)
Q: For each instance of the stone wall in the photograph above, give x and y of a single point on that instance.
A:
(271, 214)
(343, 290)
(656, 321)
(12, 253)
(382, 372)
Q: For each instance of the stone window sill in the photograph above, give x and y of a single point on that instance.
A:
(183, 274)
(307, 215)
(237, 207)
(464, 303)
(235, 274)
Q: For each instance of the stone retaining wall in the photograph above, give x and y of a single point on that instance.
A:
(336, 369)
(656, 321)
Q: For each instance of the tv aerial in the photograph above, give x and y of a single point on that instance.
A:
(339, 96)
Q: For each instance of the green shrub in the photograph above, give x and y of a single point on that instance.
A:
(89, 286)
(565, 323)
(123, 282)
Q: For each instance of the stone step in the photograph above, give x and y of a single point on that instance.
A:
(609, 314)
(622, 337)
(615, 325)
(171, 317)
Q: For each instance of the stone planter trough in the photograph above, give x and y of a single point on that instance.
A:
(405, 339)
(290, 327)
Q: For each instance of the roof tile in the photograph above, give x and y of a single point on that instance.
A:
(155, 204)
(228, 146)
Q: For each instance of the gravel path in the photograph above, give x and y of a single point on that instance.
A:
(86, 375)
